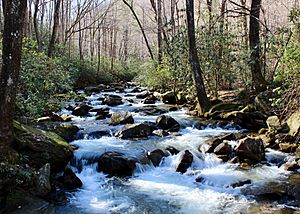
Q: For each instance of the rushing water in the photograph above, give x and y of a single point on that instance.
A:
(161, 189)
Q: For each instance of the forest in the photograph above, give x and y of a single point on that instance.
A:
(150, 106)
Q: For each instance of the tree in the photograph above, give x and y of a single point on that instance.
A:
(258, 81)
(14, 15)
(55, 28)
(194, 60)
(141, 27)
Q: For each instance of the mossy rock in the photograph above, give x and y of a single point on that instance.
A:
(42, 147)
(67, 131)
(225, 107)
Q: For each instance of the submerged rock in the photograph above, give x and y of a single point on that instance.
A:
(185, 162)
(251, 148)
(42, 147)
(112, 100)
(123, 117)
(156, 156)
(135, 131)
(116, 164)
(167, 123)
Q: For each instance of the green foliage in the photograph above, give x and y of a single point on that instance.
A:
(41, 78)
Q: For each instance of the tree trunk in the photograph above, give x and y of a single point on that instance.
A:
(159, 31)
(54, 29)
(194, 60)
(36, 25)
(14, 16)
(258, 81)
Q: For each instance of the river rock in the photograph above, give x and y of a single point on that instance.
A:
(150, 110)
(274, 124)
(135, 131)
(112, 100)
(116, 164)
(150, 99)
(122, 117)
(70, 180)
(143, 95)
(251, 148)
(288, 147)
(98, 134)
(248, 120)
(169, 98)
(43, 186)
(42, 147)
(160, 133)
(81, 110)
(172, 150)
(241, 183)
(185, 162)
(225, 107)
(223, 149)
(210, 144)
(293, 123)
(156, 156)
(167, 123)
(92, 89)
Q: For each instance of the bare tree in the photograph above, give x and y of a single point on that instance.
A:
(141, 27)
(194, 60)
(14, 16)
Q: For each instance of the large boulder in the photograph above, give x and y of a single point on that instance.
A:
(65, 130)
(167, 123)
(135, 131)
(116, 164)
(185, 162)
(81, 110)
(112, 100)
(43, 186)
(251, 149)
(294, 123)
(156, 156)
(169, 98)
(42, 147)
(122, 117)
